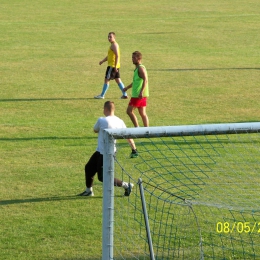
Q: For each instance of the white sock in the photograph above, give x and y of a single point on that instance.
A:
(125, 185)
(89, 189)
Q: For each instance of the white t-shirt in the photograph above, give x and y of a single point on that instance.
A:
(104, 123)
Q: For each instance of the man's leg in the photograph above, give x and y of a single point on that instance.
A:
(100, 167)
(106, 84)
(105, 87)
(130, 112)
(121, 86)
(126, 186)
(90, 171)
(142, 112)
(117, 182)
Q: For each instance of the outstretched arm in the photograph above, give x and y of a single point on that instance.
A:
(129, 86)
(102, 61)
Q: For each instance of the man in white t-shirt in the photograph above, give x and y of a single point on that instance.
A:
(95, 163)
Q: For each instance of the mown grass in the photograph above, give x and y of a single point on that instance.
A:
(203, 65)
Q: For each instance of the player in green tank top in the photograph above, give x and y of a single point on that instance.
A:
(140, 91)
(138, 83)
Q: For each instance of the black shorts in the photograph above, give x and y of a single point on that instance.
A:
(93, 166)
(111, 73)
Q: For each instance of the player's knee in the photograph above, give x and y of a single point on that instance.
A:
(128, 111)
(143, 115)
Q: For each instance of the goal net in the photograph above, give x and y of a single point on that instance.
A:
(196, 193)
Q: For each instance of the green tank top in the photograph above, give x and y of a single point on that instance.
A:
(138, 83)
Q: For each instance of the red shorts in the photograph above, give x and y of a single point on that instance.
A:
(138, 102)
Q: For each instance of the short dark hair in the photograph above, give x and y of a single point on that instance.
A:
(138, 54)
(112, 33)
(109, 105)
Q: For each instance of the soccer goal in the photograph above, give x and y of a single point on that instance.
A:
(196, 193)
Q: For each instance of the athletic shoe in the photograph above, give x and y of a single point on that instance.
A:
(129, 189)
(86, 193)
(99, 97)
(134, 154)
(124, 97)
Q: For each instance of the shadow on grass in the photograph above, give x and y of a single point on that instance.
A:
(47, 138)
(48, 199)
(73, 258)
(40, 99)
(202, 69)
(91, 258)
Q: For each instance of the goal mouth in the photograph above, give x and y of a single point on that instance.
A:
(200, 185)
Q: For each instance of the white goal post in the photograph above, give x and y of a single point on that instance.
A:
(149, 132)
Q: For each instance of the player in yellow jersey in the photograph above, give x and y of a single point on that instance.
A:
(112, 72)
(140, 91)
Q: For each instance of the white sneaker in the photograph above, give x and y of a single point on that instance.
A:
(129, 189)
(99, 97)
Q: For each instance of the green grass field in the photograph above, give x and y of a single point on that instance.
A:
(203, 61)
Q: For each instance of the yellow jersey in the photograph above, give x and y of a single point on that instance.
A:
(111, 58)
